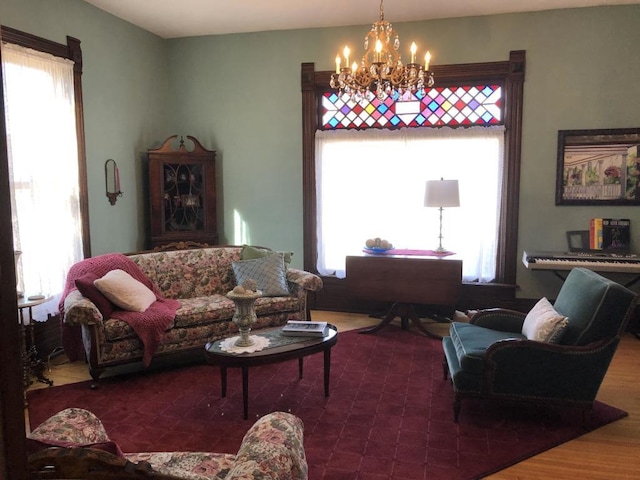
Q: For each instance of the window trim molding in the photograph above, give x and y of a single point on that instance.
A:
(73, 52)
(509, 73)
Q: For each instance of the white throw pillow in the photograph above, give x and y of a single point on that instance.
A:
(125, 291)
(543, 323)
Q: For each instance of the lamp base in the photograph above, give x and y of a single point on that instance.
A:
(442, 251)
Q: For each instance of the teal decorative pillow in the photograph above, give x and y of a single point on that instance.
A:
(249, 253)
(268, 272)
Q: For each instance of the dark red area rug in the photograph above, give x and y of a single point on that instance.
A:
(389, 415)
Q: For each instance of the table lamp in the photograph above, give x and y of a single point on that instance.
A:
(441, 193)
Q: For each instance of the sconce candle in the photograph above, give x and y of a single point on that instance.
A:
(112, 181)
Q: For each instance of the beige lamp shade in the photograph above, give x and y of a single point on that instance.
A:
(442, 193)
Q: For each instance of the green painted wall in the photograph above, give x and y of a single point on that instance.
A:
(125, 93)
(244, 100)
(240, 95)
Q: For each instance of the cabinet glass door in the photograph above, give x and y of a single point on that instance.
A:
(183, 202)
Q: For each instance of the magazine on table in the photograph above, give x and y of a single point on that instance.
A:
(302, 328)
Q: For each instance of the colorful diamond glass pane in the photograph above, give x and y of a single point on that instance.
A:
(463, 105)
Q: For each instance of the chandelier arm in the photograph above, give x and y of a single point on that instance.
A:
(381, 69)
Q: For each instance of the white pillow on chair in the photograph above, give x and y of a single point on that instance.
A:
(543, 323)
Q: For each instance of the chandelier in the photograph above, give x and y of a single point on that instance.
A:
(381, 71)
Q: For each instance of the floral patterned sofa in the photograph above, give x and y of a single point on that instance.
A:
(199, 278)
(74, 444)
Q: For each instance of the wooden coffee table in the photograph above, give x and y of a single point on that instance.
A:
(280, 349)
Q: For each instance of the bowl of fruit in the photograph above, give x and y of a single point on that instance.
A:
(377, 245)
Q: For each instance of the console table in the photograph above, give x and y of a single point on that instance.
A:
(405, 281)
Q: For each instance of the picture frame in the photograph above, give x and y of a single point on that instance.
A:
(598, 167)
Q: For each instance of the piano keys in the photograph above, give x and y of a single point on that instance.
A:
(598, 262)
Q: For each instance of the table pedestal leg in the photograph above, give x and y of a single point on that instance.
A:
(327, 370)
(223, 380)
(245, 391)
(406, 312)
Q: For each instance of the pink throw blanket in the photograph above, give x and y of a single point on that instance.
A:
(149, 325)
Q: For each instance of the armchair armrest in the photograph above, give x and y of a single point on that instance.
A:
(303, 279)
(71, 425)
(501, 319)
(272, 448)
(79, 310)
(525, 368)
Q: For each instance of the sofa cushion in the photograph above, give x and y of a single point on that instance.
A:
(201, 310)
(471, 343)
(249, 253)
(543, 323)
(268, 272)
(85, 286)
(196, 272)
(125, 291)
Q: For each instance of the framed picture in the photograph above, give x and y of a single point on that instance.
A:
(598, 167)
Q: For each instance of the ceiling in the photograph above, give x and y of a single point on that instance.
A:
(189, 18)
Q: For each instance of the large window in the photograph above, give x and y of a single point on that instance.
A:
(387, 200)
(371, 183)
(46, 160)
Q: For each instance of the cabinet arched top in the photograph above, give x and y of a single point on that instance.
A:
(168, 146)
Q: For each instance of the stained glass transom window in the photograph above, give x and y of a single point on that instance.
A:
(451, 106)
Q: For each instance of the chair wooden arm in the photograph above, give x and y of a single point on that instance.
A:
(88, 464)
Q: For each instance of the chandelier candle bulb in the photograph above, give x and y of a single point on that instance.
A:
(414, 49)
(346, 53)
(427, 59)
(337, 63)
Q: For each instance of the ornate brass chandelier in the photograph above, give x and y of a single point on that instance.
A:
(381, 72)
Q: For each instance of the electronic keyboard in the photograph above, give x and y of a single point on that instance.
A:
(600, 262)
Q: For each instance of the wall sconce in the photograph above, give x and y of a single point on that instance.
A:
(112, 180)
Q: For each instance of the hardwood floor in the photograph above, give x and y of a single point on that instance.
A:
(607, 453)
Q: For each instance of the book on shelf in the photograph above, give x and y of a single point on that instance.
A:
(616, 234)
(302, 328)
(595, 234)
(610, 234)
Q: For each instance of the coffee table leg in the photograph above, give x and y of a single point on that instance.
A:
(327, 370)
(245, 391)
(300, 367)
(223, 379)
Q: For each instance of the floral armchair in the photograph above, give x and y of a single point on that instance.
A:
(73, 444)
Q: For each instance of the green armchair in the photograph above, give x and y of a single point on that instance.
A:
(494, 357)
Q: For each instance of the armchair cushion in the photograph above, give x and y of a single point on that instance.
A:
(543, 323)
(471, 343)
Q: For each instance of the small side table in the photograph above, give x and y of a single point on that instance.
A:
(32, 365)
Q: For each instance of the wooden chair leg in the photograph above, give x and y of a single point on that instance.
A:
(445, 368)
(456, 409)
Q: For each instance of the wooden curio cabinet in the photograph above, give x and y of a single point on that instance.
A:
(182, 189)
